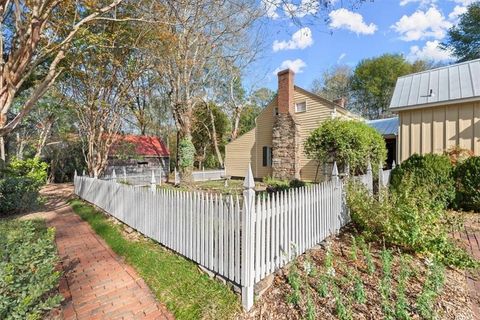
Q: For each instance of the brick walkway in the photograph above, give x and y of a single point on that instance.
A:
(96, 283)
(471, 238)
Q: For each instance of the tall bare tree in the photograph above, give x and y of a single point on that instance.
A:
(202, 35)
(36, 36)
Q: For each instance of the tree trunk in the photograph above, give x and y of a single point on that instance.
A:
(44, 135)
(236, 124)
(214, 138)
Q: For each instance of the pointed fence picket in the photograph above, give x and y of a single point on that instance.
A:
(242, 239)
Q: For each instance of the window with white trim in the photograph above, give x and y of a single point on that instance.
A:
(301, 106)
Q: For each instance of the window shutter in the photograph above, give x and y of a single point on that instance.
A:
(265, 156)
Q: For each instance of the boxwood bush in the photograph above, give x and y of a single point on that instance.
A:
(467, 177)
(432, 170)
(28, 279)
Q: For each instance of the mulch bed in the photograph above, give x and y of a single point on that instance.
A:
(453, 302)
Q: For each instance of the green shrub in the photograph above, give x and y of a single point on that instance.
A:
(28, 279)
(276, 185)
(346, 142)
(33, 169)
(467, 177)
(20, 187)
(408, 218)
(186, 152)
(17, 195)
(433, 171)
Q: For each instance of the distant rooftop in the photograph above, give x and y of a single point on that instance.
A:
(451, 84)
(386, 127)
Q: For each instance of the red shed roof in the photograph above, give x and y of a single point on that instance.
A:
(144, 145)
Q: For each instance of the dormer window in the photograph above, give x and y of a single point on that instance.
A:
(301, 106)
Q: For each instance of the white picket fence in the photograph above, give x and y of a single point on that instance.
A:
(243, 239)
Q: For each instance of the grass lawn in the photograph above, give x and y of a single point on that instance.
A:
(234, 186)
(176, 281)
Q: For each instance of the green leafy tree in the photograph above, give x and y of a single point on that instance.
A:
(334, 83)
(258, 100)
(374, 79)
(346, 142)
(209, 134)
(464, 38)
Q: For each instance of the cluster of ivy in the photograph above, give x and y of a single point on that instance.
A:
(20, 184)
(28, 279)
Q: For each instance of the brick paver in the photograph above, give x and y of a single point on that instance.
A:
(471, 238)
(97, 284)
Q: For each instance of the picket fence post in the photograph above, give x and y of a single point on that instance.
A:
(393, 164)
(114, 176)
(381, 183)
(153, 182)
(335, 177)
(247, 262)
(369, 177)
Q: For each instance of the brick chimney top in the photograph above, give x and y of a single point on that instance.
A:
(285, 91)
(342, 102)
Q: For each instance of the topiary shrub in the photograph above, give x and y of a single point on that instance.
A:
(435, 171)
(346, 142)
(467, 178)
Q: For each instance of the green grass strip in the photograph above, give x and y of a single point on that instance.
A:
(176, 281)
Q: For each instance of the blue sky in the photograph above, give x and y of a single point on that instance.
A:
(411, 27)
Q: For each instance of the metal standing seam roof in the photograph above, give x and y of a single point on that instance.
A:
(447, 85)
(388, 126)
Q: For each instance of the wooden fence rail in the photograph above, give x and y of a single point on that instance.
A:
(243, 239)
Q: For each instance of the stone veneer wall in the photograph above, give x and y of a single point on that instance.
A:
(285, 147)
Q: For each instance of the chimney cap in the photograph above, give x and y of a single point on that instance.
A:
(341, 101)
(282, 72)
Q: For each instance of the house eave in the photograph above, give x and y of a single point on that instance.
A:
(434, 104)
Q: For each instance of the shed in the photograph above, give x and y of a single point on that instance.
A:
(438, 109)
(388, 128)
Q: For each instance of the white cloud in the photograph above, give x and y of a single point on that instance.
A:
(270, 7)
(345, 19)
(422, 2)
(457, 12)
(300, 10)
(431, 51)
(341, 57)
(422, 24)
(296, 66)
(465, 2)
(300, 40)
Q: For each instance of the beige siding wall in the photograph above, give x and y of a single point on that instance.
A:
(434, 130)
(263, 138)
(317, 111)
(239, 153)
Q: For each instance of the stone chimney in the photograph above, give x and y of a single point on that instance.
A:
(342, 102)
(285, 135)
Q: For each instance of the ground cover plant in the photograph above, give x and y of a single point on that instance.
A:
(176, 281)
(332, 284)
(28, 279)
